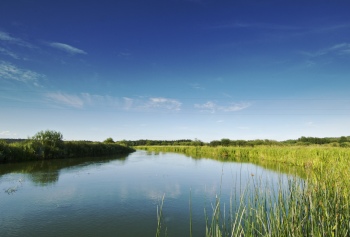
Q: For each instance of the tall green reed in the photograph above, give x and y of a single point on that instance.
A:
(317, 205)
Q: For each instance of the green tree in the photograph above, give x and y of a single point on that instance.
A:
(225, 142)
(342, 139)
(48, 144)
(197, 142)
(109, 140)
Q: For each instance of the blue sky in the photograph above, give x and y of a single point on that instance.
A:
(175, 69)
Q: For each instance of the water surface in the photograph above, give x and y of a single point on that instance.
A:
(118, 196)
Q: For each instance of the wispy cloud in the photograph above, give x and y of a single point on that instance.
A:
(9, 53)
(163, 103)
(67, 48)
(101, 100)
(128, 103)
(9, 71)
(304, 29)
(212, 107)
(124, 54)
(197, 86)
(338, 49)
(6, 37)
(256, 25)
(329, 28)
(343, 48)
(65, 99)
(207, 107)
(83, 100)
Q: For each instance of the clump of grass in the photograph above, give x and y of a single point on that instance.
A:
(303, 209)
(296, 208)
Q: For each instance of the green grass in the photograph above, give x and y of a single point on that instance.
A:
(33, 150)
(301, 210)
(316, 205)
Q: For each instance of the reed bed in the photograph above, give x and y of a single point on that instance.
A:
(316, 205)
(297, 211)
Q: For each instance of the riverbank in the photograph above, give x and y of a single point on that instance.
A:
(317, 206)
(32, 150)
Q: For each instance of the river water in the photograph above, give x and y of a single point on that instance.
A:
(119, 196)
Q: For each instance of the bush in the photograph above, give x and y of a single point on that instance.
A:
(4, 151)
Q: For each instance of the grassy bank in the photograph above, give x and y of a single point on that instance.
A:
(313, 158)
(318, 163)
(33, 150)
(315, 206)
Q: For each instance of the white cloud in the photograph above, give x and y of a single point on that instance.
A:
(339, 49)
(8, 38)
(207, 107)
(124, 54)
(234, 107)
(343, 48)
(212, 107)
(67, 48)
(163, 103)
(128, 103)
(8, 53)
(105, 101)
(66, 99)
(11, 72)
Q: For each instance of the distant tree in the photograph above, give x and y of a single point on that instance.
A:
(241, 143)
(342, 139)
(197, 142)
(124, 143)
(109, 140)
(215, 143)
(225, 142)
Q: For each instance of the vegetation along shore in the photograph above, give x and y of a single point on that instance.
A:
(314, 204)
(50, 145)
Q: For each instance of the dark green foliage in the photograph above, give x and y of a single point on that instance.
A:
(225, 142)
(49, 145)
(109, 140)
(4, 151)
(303, 141)
(93, 149)
(143, 142)
(343, 139)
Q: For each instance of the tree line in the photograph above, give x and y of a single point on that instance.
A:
(302, 141)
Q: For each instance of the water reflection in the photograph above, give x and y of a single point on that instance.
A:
(273, 166)
(118, 196)
(47, 172)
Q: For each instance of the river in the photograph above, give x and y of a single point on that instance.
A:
(119, 196)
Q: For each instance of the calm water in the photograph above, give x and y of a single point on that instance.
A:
(118, 196)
